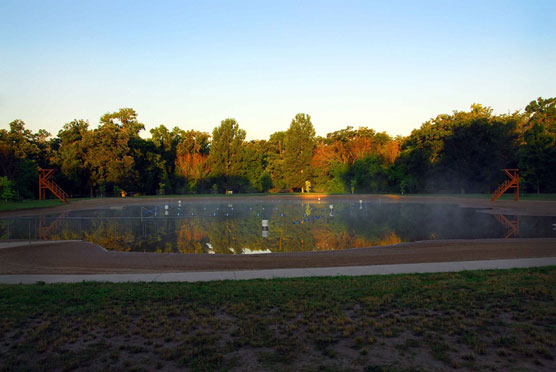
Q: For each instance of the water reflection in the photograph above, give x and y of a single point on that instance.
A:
(266, 227)
(511, 223)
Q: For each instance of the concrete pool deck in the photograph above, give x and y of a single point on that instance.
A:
(202, 276)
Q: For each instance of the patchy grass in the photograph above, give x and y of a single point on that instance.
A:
(28, 204)
(489, 320)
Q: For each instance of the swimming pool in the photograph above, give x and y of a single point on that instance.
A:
(272, 226)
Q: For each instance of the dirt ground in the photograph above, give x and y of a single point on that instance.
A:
(89, 258)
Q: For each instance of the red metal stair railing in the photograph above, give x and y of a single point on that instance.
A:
(513, 182)
(45, 183)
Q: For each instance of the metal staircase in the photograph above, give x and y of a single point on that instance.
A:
(513, 182)
(45, 183)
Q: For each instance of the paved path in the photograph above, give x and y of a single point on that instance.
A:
(200, 276)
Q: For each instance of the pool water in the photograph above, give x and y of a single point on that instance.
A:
(293, 226)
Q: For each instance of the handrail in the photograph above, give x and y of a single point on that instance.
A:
(507, 184)
(56, 190)
(46, 183)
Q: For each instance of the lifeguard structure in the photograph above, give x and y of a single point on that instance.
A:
(512, 183)
(45, 183)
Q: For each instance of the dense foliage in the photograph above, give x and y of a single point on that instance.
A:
(462, 152)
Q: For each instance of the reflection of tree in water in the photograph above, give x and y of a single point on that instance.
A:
(191, 237)
(293, 227)
(111, 235)
(232, 235)
(4, 229)
(199, 232)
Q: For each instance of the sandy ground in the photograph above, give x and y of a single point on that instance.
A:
(88, 258)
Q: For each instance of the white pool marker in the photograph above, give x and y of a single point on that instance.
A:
(264, 225)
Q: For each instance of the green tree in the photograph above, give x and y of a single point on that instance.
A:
(21, 151)
(156, 160)
(275, 159)
(167, 143)
(474, 155)
(7, 191)
(537, 154)
(335, 156)
(108, 156)
(537, 160)
(459, 152)
(16, 145)
(254, 165)
(226, 152)
(191, 158)
(542, 111)
(151, 168)
(71, 154)
(126, 120)
(369, 174)
(299, 143)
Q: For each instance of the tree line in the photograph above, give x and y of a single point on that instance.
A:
(462, 152)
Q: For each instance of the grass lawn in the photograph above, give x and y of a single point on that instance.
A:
(476, 320)
(28, 204)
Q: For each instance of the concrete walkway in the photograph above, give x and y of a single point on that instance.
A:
(199, 276)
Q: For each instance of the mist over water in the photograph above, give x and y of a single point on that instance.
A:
(293, 226)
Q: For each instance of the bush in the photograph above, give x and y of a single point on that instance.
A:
(7, 189)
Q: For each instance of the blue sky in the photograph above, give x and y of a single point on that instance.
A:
(387, 65)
